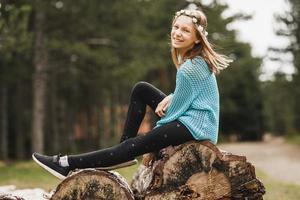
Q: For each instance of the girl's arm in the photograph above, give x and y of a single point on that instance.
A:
(181, 100)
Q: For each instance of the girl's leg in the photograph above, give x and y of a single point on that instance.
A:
(173, 133)
(142, 94)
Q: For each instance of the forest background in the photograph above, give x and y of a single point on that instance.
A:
(67, 69)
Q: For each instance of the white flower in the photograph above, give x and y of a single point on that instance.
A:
(200, 28)
(195, 20)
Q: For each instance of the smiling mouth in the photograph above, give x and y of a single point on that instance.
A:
(176, 40)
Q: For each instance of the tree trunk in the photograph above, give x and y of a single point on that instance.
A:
(101, 123)
(21, 132)
(54, 115)
(113, 110)
(4, 124)
(39, 79)
(191, 171)
(93, 185)
(197, 170)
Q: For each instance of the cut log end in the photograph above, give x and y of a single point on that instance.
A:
(91, 185)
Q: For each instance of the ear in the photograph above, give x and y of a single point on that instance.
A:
(197, 41)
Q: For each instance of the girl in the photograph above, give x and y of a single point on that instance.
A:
(191, 113)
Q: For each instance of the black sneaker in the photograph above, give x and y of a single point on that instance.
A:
(51, 164)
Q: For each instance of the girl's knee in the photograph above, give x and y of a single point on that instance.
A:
(128, 147)
(139, 87)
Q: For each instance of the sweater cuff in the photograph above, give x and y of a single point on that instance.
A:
(171, 94)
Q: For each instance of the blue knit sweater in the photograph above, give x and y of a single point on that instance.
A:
(195, 101)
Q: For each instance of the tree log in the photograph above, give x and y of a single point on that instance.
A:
(197, 171)
(191, 171)
(91, 184)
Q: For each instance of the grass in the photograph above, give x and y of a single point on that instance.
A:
(293, 139)
(30, 175)
(26, 175)
(276, 190)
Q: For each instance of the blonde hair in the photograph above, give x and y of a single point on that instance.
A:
(204, 49)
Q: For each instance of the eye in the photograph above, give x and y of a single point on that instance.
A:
(175, 27)
(186, 30)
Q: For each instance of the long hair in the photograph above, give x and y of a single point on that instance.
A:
(204, 49)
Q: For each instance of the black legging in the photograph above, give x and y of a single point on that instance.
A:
(173, 133)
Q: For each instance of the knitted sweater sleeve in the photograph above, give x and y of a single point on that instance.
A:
(182, 98)
(189, 81)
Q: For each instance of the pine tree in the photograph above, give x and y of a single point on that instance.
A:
(291, 30)
(240, 95)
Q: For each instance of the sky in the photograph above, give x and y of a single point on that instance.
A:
(260, 31)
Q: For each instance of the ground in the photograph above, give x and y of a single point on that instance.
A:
(274, 157)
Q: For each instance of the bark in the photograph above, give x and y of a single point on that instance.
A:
(197, 170)
(191, 171)
(93, 185)
(39, 80)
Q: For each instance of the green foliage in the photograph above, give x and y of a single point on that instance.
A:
(278, 105)
(15, 42)
(97, 50)
(240, 95)
(284, 95)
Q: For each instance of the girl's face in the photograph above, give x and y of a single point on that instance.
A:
(183, 34)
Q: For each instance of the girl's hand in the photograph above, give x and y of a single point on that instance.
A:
(163, 106)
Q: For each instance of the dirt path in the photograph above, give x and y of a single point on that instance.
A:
(274, 157)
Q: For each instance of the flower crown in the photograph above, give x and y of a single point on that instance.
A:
(188, 13)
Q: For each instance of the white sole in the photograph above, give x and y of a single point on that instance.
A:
(125, 164)
(56, 174)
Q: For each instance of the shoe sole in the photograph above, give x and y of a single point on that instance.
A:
(53, 172)
(125, 164)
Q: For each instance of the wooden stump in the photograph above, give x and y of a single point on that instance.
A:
(197, 170)
(93, 184)
(191, 171)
